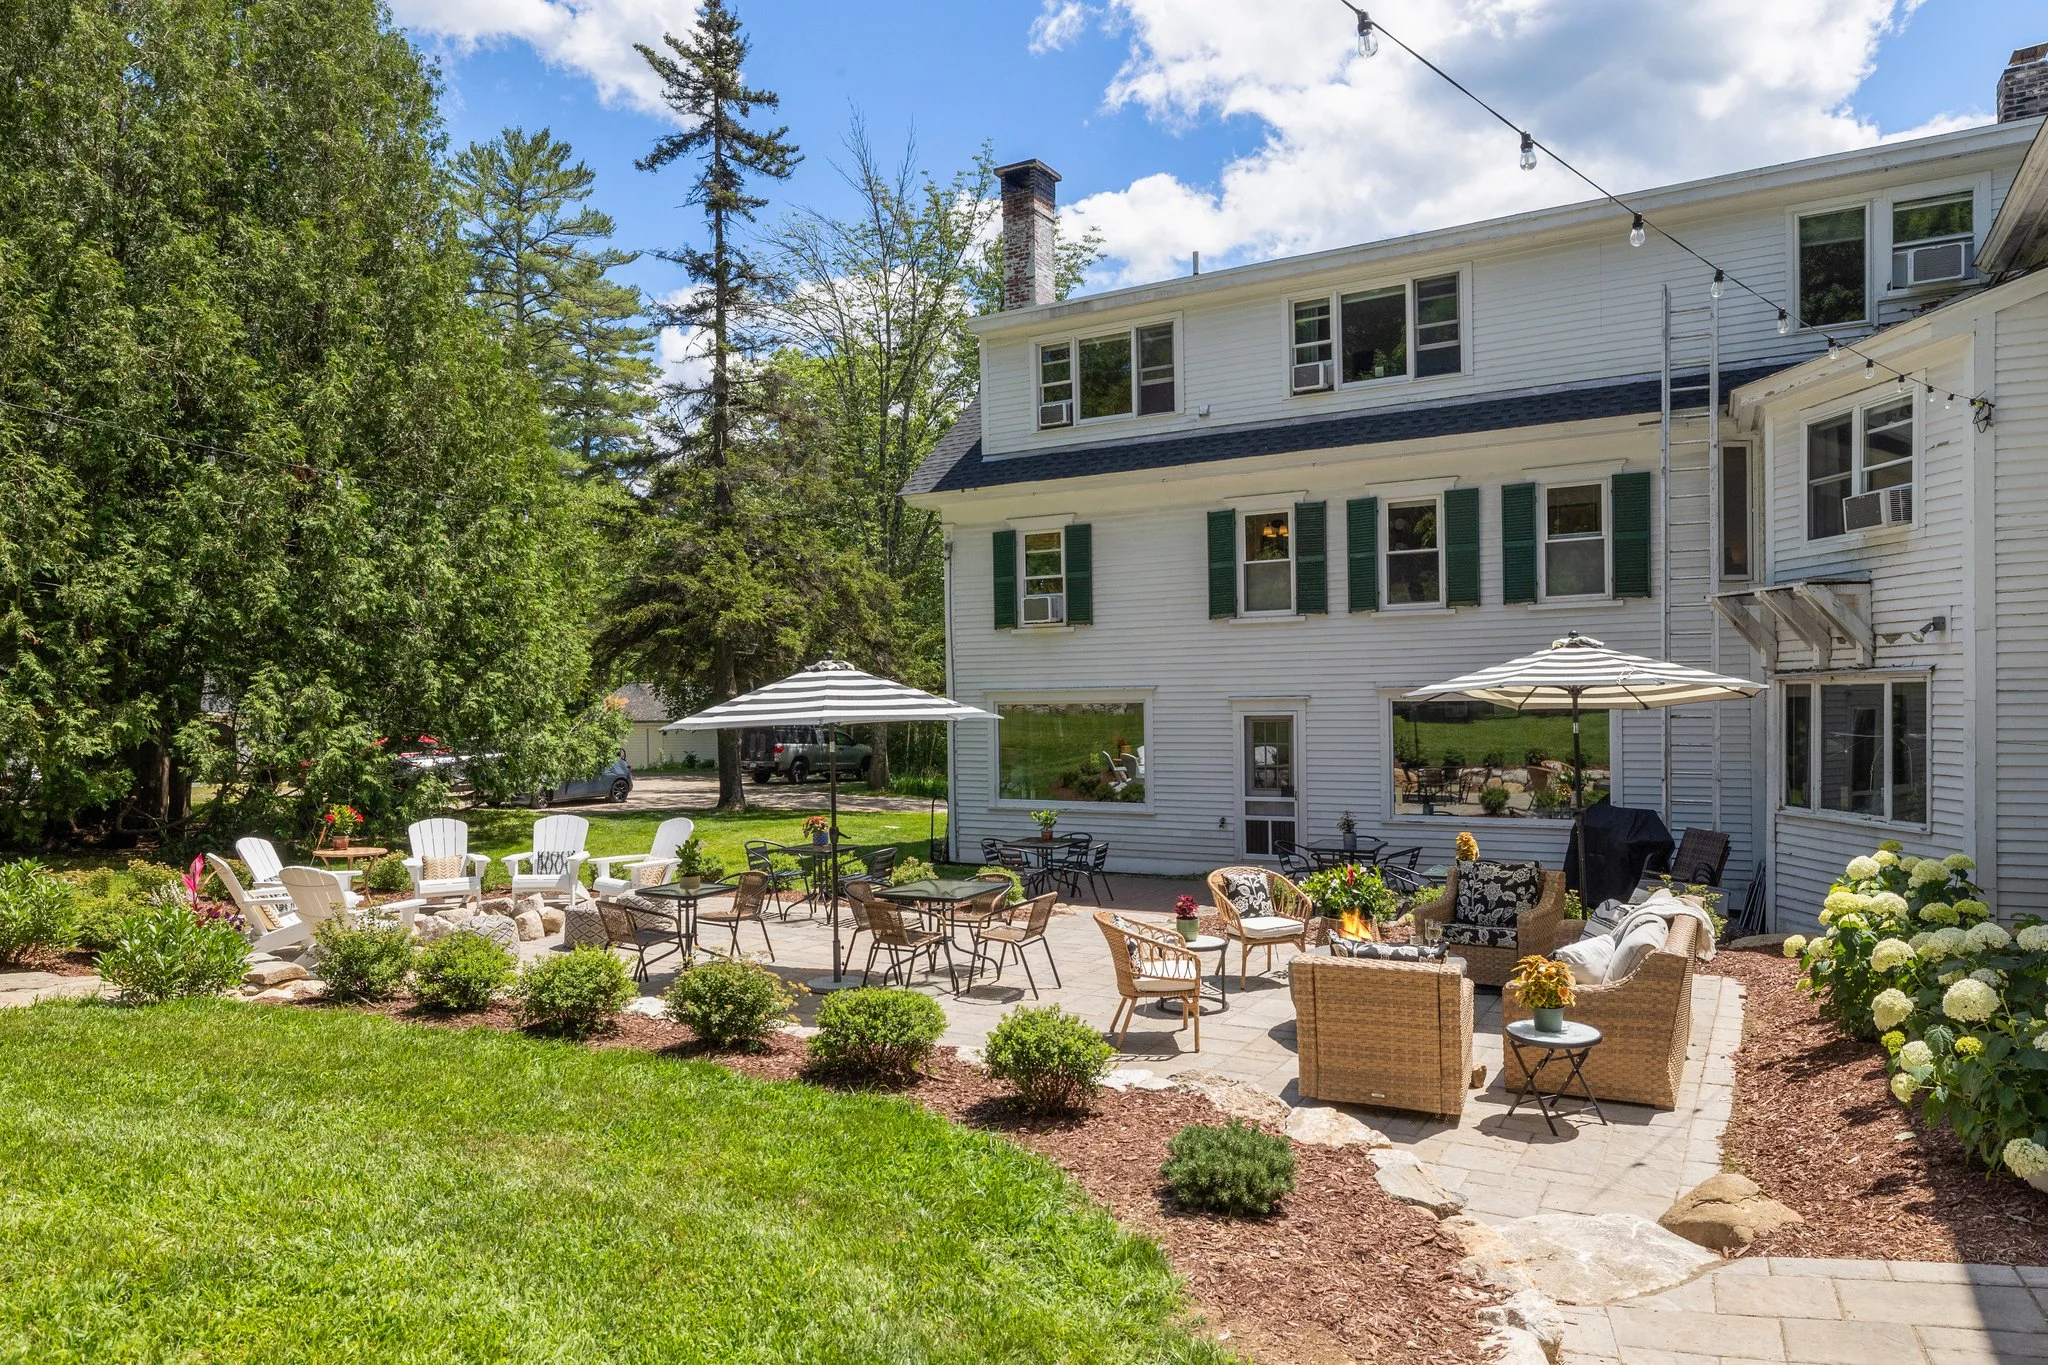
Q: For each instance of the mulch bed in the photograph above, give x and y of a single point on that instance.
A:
(77, 962)
(1817, 1129)
(1340, 1273)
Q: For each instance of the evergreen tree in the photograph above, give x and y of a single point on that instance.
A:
(703, 482)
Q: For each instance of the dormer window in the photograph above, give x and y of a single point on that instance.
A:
(1931, 240)
(1399, 331)
(1113, 374)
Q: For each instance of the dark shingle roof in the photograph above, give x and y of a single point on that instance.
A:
(957, 463)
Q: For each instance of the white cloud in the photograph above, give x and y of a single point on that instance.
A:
(595, 37)
(683, 353)
(1636, 94)
(1059, 24)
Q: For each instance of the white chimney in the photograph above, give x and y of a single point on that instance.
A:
(1028, 211)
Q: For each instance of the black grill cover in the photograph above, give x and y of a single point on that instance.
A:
(1620, 842)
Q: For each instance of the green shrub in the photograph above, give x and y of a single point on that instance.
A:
(163, 952)
(146, 878)
(575, 994)
(363, 961)
(1237, 1168)
(1052, 1059)
(464, 971)
(1003, 874)
(36, 911)
(909, 870)
(387, 874)
(875, 1031)
(730, 1004)
(1493, 800)
(1351, 887)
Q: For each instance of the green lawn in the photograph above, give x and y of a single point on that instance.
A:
(498, 832)
(1507, 734)
(223, 1182)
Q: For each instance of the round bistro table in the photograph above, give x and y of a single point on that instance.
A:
(1572, 1044)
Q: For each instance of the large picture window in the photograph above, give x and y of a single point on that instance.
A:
(1833, 275)
(1071, 751)
(1858, 747)
(1472, 759)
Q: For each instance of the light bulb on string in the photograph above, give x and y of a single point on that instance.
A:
(1869, 369)
(1948, 402)
(1905, 386)
(1784, 322)
(1636, 235)
(1528, 152)
(1368, 41)
(1834, 349)
(1714, 289)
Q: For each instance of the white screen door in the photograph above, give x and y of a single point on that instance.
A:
(1269, 798)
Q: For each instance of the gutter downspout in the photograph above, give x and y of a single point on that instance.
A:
(952, 727)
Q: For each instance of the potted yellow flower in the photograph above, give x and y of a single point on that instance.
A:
(1546, 987)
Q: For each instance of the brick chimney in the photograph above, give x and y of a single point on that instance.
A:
(2022, 90)
(1028, 208)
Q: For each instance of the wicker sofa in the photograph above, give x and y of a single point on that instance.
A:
(1397, 1035)
(1645, 1020)
(1538, 929)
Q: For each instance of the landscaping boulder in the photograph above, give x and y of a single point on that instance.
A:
(1603, 1258)
(551, 918)
(528, 922)
(1725, 1213)
(274, 973)
(1772, 942)
(1135, 1078)
(1235, 1098)
(1408, 1181)
(495, 905)
(649, 1005)
(1528, 1317)
(1489, 1259)
(1513, 1346)
(1319, 1125)
(429, 928)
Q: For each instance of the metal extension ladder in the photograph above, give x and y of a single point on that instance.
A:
(1691, 381)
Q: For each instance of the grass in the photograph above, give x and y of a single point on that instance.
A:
(1508, 734)
(223, 1182)
(498, 832)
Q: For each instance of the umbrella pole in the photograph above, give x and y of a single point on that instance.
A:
(1579, 799)
(832, 780)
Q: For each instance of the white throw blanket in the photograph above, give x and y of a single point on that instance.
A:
(1666, 905)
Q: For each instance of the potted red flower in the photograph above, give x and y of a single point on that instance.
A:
(341, 821)
(1187, 917)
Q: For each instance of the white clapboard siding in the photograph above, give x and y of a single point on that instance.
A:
(1549, 306)
(2020, 510)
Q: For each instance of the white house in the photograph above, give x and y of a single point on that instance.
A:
(647, 745)
(1202, 535)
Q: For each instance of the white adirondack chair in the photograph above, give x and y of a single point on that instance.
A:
(460, 873)
(617, 874)
(260, 857)
(319, 896)
(554, 864)
(273, 923)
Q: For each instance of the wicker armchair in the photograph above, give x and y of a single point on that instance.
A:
(1538, 929)
(1645, 1021)
(1292, 917)
(1397, 1035)
(1151, 964)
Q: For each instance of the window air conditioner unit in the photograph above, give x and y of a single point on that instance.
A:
(1045, 609)
(1885, 507)
(1060, 414)
(1933, 263)
(1315, 376)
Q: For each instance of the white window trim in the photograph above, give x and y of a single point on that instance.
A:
(1854, 410)
(1839, 330)
(1753, 465)
(999, 802)
(1243, 709)
(1334, 297)
(1543, 593)
(1244, 513)
(1782, 735)
(1979, 190)
(1073, 339)
(1386, 511)
(1023, 577)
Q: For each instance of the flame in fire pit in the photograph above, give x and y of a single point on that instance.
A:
(1354, 925)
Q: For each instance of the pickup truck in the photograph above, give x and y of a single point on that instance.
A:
(798, 753)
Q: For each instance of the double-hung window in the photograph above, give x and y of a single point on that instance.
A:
(1415, 565)
(1045, 578)
(1833, 276)
(1858, 746)
(1117, 374)
(1401, 331)
(1268, 563)
(1855, 454)
(1574, 541)
(1932, 239)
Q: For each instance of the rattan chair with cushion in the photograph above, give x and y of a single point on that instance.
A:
(1645, 1021)
(749, 903)
(1393, 1034)
(1024, 927)
(1534, 924)
(1151, 964)
(1260, 909)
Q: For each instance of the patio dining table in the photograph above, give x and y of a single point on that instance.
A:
(814, 861)
(941, 899)
(682, 900)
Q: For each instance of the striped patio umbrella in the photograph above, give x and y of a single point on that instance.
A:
(1580, 671)
(830, 693)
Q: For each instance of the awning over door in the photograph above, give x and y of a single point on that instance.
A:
(1828, 615)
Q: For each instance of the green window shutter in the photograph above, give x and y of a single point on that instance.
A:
(1461, 547)
(1362, 553)
(1311, 559)
(1630, 494)
(1518, 542)
(1081, 575)
(1004, 544)
(1223, 563)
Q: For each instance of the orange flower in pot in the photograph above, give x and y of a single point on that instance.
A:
(1546, 986)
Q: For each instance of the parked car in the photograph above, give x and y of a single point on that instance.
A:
(798, 753)
(612, 782)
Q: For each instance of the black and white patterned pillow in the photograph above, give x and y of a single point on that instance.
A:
(1247, 891)
(550, 862)
(1494, 894)
(1387, 952)
(1480, 935)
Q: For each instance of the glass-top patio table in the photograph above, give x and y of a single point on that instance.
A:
(942, 899)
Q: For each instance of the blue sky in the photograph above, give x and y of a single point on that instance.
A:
(1219, 125)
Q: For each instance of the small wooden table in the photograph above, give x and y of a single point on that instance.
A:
(350, 856)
